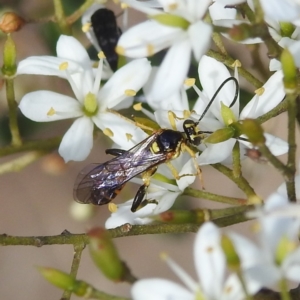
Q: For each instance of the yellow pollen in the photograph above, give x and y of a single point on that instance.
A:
(101, 55)
(150, 50)
(128, 136)
(120, 50)
(210, 249)
(138, 106)
(237, 64)
(124, 5)
(130, 93)
(190, 81)
(63, 66)
(112, 207)
(172, 6)
(228, 289)
(51, 112)
(108, 132)
(86, 27)
(259, 91)
(163, 255)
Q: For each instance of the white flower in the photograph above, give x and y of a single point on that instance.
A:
(210, 263)
(91, 105)
(212, 73)
(278, 223)
(150, 37)
(164, 194)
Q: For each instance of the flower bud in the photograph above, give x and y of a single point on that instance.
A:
(227, 114)
(183, 216)
(254, 132)
(105, 255)
(171, 20)
(65, 281)
(289, 70)
(286, 29)
(11, 22)
(232, 258)
(9, 57)
(220, 135)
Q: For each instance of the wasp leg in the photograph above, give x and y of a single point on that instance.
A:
(115, 152)
(139, 197)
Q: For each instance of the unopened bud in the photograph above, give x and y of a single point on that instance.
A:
(65, 281)
(105, 255)
(11, 22)
(220, 135)
(289, 70)
(253, 130)
(227, 114)
(9, 57)
(232, 258)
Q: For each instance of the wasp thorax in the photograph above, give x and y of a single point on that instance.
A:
(168, 141)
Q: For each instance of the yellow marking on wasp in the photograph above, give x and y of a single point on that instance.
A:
(51, 112)
(154, 148)
(108, 132)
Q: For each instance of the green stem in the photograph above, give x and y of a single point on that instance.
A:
(236, 161)
(20, 163)
(74, 268)
(217, 198)
(78, 13)
(241, 182)
(284, 291)
(61, 18)
(228, 61)
(12, 112)
(45, 145)
(291, 163)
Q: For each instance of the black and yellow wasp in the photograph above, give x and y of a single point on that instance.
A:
(99, 184)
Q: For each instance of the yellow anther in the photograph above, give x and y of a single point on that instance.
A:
(124, 5)
(112, 207)
(130, 93)
(237, 64)
(190, 81)
(101, 55)
(172, 6)
(51, 112)
(108, 132)
(259, 91)
(186, 114)
(120, 50)
(137, 106)
(86, 27)
(164, 256)
(150, 50)
(63, 66)
(129, 136)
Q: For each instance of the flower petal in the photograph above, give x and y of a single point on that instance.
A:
(172, 72)
(148, 38)
(200, 45)
(159, 289)
(47, 106)
(130, 77)
(272, 96)
(77, 141)
(125, 134)
(276, 145)
(213, 155)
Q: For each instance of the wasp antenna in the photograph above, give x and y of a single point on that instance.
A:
(217, 92)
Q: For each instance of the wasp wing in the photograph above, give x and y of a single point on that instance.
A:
(99, 184)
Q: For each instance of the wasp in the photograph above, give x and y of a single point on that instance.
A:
(100, 184)
(107, 33)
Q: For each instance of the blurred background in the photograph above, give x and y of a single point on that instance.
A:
(37, 200)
